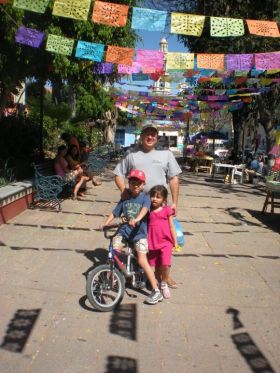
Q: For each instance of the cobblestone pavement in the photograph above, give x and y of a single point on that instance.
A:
(224, 316)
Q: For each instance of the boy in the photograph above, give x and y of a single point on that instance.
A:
(135, 210)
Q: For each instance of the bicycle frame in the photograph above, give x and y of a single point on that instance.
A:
(113, 258)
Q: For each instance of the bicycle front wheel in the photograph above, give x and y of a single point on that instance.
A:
(105, 288)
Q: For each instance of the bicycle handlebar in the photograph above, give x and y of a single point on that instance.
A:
(108, 227)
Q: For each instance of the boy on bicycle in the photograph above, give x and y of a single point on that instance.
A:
(135, 209)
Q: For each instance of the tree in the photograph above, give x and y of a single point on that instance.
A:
(264, 108)
(266, 105)
(19, 62)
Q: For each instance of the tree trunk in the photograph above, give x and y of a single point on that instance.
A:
(72, 101)
(110, 126)
(237, 130)
(269, 108)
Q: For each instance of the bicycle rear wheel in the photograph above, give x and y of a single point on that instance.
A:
(105, 288)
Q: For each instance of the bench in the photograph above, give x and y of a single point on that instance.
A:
(48, 186)
(98, 160)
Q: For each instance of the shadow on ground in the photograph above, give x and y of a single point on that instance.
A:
(272, 221)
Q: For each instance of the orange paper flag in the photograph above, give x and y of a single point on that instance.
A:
(110, 14)
(120, 55)
(210, 61)
(263, 28)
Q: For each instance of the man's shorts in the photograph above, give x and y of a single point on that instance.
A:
(140, 246)
(160, 257)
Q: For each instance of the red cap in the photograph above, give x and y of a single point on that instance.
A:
(137, 174)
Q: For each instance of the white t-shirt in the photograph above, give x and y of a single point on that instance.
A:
(159, 166)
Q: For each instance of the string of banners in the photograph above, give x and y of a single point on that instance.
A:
(116, 15)
(147, 61)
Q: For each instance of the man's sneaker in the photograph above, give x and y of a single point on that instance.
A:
(154, 297)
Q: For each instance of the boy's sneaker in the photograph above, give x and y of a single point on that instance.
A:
(164, 290)
(154, 297)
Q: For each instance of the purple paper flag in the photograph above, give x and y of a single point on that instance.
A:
(29, 36)
(239, 61)
(266, 61)
(103, 68)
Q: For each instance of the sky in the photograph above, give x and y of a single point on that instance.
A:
(151, 40)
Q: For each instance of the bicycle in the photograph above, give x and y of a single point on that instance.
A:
(106, 283)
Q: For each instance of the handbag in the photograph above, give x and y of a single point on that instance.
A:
(179, 233)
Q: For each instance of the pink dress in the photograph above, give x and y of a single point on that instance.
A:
(159, 234)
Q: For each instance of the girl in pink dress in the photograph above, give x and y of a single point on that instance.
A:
(161, 236)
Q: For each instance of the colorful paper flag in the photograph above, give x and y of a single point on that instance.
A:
(38, 6)
(140, 77)
(179, 61)
(120, 55)
(134, 69)
(110, 14)
(210, 61)
(77, 9)
(60, 45)
(150, 60)
(90, 51)
(103, 68)
(263, 28)
(224, 27)
(265, 61)
(148, 19)
(29, 36)
(239, 61)
(187, 24)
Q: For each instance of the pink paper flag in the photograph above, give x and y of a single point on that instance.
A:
(265, 61)
(150, 59)
(125, 69)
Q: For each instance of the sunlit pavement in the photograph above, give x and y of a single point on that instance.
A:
(224, 316)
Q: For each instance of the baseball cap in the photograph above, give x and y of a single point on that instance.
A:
(137, 174)
(151, 125)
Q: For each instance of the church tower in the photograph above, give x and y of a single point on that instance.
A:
(162, 85)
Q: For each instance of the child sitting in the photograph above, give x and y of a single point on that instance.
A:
(135, 210)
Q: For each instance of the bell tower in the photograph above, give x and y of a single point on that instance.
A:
(162, 85)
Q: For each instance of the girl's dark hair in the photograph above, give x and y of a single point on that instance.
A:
(159, 189)
(71, 147)
(61, 148)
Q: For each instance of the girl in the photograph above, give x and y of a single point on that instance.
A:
(62, 169)
(161, 236)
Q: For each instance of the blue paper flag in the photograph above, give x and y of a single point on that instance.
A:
(148, 19)
(90, 51)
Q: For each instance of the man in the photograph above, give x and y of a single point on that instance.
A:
(159, 166)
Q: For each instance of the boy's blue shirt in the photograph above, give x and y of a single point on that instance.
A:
(130, 208)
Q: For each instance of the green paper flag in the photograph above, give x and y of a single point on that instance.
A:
(38, 6)
(60, 45)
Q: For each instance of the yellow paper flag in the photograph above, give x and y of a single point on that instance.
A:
(77, 9)
(187, 24)
(179, 61)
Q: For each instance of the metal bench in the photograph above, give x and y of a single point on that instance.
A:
(48, 186)
(98, 160)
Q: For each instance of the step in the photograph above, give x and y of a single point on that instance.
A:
(14, 199)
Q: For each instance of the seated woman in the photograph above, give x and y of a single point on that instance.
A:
(62, 169)
(255, 168)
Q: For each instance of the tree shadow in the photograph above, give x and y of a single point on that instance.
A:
(272, 221)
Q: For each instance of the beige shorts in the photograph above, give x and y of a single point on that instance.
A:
(140, 246)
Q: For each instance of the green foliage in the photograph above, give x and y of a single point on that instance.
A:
(7, 174)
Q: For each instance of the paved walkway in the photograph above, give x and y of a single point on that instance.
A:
(224, 317)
